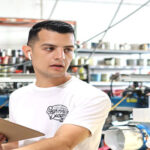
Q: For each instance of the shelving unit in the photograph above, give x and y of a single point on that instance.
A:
(14, 77)
(24, 22)
(100, 51)
(6, 77)
(27, 22)
(108, 69)
(90, 68)
(116, 68)
(104, 84)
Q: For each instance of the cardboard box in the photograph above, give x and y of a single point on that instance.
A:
(15, 132)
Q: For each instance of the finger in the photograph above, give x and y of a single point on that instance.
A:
(1, 137)
(3, 140)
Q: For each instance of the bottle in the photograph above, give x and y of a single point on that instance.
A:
(12, 58)
(20, 56)
(6, 56)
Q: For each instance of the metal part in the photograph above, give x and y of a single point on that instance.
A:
(134, 77)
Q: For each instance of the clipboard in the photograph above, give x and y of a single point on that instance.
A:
(15, 132)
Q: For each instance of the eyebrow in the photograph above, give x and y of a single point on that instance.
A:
(48, 44)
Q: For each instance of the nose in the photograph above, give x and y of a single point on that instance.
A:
(59, 53)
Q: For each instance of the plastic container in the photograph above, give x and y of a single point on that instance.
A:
(95, 77)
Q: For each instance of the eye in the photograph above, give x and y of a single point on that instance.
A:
(66, 50)
(49, 48)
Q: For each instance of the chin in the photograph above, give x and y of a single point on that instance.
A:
(58, 75)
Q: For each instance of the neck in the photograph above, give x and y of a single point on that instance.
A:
(51, 81)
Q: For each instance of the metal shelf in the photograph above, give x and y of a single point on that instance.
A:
(104, 84)
(100, 51)
(17, 78)
(135, 78)
(130, 109)
(7, 79)
(117, 68)
(24, 22)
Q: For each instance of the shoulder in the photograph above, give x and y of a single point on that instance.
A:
(21, 91)
(87, 92)
(79, 86)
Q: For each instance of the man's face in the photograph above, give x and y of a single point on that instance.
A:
(52, 53)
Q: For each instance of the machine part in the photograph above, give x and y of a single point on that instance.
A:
(4, 100)
(124, 138)
(145, 133)
(148, 101)
(134, 77)
(148, 142)
(4, 112)
(119, 102)
(4, 104)
(138, 97)
(129, 102)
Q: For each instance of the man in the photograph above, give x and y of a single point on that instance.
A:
(70, 112)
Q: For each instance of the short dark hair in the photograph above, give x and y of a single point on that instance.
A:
(53, 25)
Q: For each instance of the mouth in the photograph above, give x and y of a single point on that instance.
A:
(57, 66)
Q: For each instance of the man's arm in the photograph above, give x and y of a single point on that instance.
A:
(66, 138)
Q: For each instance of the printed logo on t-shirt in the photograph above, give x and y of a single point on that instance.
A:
(57, 112)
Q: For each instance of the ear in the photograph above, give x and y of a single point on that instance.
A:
(26, 50)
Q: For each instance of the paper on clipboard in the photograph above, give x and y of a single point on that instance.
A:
(15, 132)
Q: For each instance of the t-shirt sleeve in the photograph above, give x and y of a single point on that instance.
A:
(11, 109)
(90, 112)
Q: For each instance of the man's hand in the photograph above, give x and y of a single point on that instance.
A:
(6, 146)
(3, 139)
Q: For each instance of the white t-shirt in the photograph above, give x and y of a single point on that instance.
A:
(46, 109)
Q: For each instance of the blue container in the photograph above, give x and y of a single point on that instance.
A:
(95, 77)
